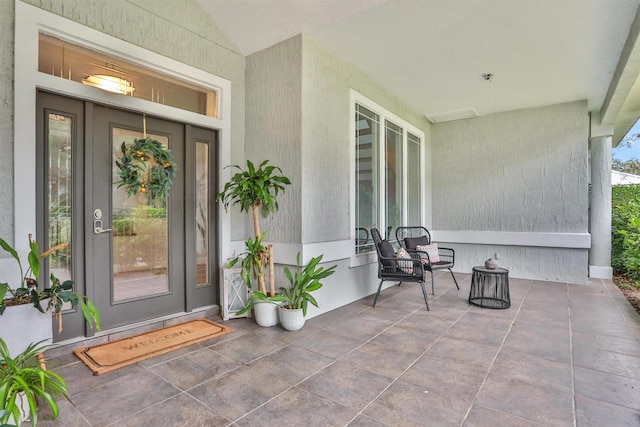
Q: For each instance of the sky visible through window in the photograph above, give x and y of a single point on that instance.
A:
(624, 153)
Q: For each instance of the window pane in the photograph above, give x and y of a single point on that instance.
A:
(414, 188)
(393, 177)
(59, 193)
(140, 233)
(367, 185)
(202, 214)
(63, 59)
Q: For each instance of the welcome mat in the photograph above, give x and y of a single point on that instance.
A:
(113, 355)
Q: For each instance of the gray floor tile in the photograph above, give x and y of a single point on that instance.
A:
(108, 398)
(194, 368)
(405, 404)
(408, 340)
(329, 344)
(292, 364)
(381, 359)
(607, 387)
(435, 374)
(544, 342)
(594, 413)
(247, 348)
(549, 406)
(624, 345)
(362, 328)
(180, 410)
(606, 361)
(475, 355)
(479, 416)
(533, 369)
(347, 385)
(300, 408)
(239, 391)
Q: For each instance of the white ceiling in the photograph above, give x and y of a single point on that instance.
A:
(433, 53)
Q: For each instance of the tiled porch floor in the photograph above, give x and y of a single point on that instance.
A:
(562, 355)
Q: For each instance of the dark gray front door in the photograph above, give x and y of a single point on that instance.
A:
(134, 247)
(147, 259)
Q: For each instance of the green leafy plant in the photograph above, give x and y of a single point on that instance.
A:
(304, 281)
(253, 262)
(254, 190)
(30, 291)
(625, 231)
(23, 377)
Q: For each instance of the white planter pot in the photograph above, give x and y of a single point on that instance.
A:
(266, 313)
(23, 404)
(21, 325)
(291, 319)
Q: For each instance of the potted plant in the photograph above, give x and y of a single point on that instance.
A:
(17, 304)
(297, 297)
(256, 190)
(25, 383)
(253, 263)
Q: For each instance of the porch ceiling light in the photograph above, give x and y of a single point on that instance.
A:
(110, 83)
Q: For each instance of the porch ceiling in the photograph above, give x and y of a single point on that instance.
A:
(433, 53)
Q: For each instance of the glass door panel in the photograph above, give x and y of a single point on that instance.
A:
(140, 232)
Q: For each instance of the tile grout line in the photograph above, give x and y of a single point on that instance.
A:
(475, 398)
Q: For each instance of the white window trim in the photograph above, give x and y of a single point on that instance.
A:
(384, 114)
(29, 22)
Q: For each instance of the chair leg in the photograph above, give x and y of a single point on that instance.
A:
(377, 293)
(424, 293)
(454, 279)
(433, 292)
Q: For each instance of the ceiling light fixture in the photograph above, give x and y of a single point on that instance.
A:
(110, 83)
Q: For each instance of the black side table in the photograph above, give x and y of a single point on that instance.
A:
(490, 288)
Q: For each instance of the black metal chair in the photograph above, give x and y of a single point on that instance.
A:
(392, 268)
(412, 236)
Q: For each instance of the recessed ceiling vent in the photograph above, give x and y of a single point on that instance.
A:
(465, 113)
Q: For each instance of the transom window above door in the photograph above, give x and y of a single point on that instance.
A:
(72, 62)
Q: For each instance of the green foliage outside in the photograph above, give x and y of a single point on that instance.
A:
(625, 231)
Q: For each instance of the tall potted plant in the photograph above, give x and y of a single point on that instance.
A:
(256, 190)
(297, 297)
(24, 316)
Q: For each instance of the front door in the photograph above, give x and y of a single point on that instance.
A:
(137, 259)
(135, 246)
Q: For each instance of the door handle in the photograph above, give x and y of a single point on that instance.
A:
(97, 227)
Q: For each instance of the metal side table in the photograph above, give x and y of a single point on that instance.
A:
(490, 288)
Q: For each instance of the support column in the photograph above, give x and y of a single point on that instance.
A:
(600, 219)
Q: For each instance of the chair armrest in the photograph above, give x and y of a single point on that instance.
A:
(447, 254)
(421, 255)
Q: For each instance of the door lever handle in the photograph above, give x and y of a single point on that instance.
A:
(97, 227)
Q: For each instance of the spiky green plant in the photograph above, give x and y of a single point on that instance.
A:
(23, 377)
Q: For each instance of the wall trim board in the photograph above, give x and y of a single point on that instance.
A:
(512, 238)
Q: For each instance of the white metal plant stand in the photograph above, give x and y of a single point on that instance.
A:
(234, 294)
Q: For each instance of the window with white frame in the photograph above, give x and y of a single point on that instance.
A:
(388, 165)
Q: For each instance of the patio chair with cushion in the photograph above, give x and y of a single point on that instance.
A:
(400, 267)
(418, 239)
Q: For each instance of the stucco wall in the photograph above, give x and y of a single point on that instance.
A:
(521, 171)
(327, 142)
(7, 22)
(273, 124)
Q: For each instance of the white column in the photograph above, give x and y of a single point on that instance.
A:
(600, 220)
